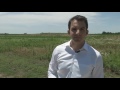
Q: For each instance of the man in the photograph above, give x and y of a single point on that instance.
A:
(76, 58)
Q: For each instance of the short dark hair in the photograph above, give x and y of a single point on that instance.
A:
(78, 18)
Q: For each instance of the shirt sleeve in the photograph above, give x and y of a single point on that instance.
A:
(98, 71)
(52, 70)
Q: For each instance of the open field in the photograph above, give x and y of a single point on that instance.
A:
(28, 56)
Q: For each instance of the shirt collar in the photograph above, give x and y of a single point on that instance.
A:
(85, 46)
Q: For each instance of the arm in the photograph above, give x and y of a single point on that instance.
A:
(52, 70)
(98, 71)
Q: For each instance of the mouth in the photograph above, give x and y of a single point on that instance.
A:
(77, 37)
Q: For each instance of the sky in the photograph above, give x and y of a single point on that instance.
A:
(56, 22)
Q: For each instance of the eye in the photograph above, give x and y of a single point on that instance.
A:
(82, 29)
(74, 29)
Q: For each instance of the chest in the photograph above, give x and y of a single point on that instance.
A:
(80, 58)
(81, 63)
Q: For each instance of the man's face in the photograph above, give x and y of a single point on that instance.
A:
(78, 30)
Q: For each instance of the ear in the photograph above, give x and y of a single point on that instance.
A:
(68, 31)
(87, 32)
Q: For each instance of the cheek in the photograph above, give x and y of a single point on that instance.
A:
(84, 35)
(70, 32)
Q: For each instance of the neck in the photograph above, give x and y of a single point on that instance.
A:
(76, 45)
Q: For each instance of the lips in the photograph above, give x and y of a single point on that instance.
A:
(76, 37)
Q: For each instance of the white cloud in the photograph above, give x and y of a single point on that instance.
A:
(25, 20)
(42, 17)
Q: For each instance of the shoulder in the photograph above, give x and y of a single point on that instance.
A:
(94, 52)
(96, 56)
(61, 47)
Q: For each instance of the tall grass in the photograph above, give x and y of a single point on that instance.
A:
(29, 55)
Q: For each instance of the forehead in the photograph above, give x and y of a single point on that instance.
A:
(78, 23)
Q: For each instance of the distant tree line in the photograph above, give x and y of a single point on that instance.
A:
(110, 32)
(8, 33)
(62, 33)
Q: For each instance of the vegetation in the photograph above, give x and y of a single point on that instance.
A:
(28, 56)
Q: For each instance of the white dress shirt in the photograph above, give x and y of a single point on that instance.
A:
(66, 63)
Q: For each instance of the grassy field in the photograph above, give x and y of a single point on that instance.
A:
(28, 56)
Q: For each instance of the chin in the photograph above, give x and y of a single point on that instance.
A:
(77, 40)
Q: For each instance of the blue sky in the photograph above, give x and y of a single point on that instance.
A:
(56, 22)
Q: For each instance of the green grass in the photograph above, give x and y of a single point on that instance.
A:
(28, 56)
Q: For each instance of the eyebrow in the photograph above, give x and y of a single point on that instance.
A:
(77, 27)
(82, 27)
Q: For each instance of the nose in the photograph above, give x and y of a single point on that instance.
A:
(78, 31)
